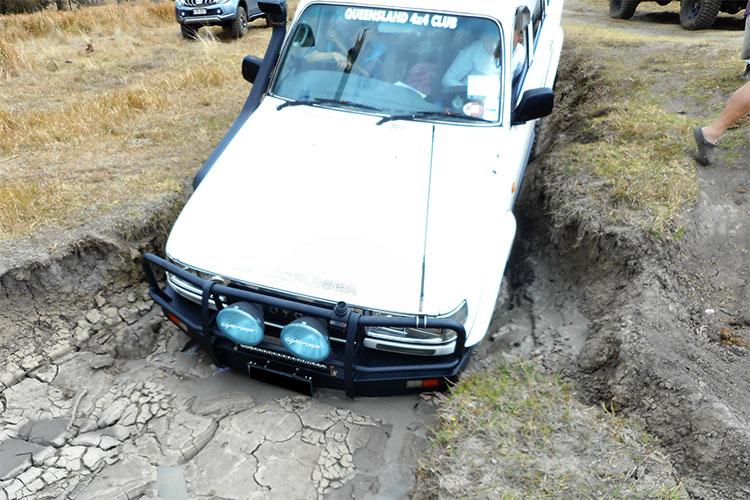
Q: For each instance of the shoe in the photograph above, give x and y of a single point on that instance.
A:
(705, 148)
(746, 74)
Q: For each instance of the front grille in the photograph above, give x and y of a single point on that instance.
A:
(199, 3)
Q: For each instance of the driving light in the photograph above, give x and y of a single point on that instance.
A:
(307, 338)
(242, 322)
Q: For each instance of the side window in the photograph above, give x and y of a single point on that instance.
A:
(536, 18)
(521, 50)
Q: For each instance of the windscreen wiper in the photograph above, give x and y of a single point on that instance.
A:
(426, 115)
(316, 101)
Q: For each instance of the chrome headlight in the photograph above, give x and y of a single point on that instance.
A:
(421, 336)
(188, 290)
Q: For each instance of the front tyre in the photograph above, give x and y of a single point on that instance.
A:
(188, 32)
(622, 9)
(698, 14)
(238, 28)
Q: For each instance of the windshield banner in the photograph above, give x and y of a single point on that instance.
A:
(401, 17)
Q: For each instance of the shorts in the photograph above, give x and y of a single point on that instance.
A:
(746, 44)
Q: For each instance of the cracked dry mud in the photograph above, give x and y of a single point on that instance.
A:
(117, 411)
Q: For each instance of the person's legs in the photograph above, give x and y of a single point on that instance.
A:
(737, 107)
(746, 50)
(706, 138)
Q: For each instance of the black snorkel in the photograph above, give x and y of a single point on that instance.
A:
(256, 71)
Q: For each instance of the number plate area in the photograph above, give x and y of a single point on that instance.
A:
(199, 12)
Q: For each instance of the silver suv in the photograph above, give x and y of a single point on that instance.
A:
(232, 15)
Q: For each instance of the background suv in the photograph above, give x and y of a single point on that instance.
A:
(232, 15)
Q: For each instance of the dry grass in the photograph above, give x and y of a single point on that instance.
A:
(106, 114)
(31, 202)
(102, 19)
(107, 110)
(11, 62)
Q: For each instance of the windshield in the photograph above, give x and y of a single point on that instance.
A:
(401, 64)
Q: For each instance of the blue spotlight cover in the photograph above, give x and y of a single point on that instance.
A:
(242, 322)
(307, 338)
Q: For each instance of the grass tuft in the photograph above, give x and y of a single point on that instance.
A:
(30, 203)
(11, 63)
(513, 432)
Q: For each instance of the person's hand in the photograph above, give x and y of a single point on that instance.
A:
(339, 59)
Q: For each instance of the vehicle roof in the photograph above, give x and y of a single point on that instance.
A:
(502, 10)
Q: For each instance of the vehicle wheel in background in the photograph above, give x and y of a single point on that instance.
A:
(698, 14)
(238, 28)
(188, 32)
(622, 9)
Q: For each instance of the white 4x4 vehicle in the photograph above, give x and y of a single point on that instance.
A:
(352, 229)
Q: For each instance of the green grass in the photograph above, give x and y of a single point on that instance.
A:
(513, 432)
(624, 160)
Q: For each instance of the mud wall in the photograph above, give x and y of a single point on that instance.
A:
(650, 350)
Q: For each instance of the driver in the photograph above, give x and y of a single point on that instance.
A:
(341, 39)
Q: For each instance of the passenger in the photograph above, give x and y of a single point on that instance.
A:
(520, 25)
(421, 76)
(480, 58)
(483, 56)
(519, 48)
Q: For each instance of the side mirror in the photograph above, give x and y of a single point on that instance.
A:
(535, 103)
(275, 9)
(250, 68)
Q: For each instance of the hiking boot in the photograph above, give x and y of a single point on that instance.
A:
(705, 148)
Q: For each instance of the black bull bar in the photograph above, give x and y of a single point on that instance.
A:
(358, 370)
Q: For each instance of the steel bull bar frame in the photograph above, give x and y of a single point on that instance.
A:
(358, 370)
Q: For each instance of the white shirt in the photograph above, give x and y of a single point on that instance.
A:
(519, 58)
(473, 60)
